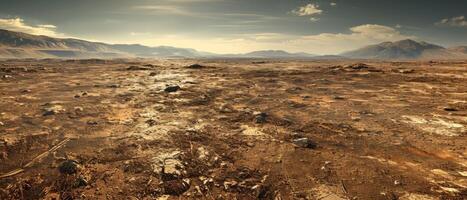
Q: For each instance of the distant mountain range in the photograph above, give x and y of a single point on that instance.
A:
(407, 49)
(22, 45)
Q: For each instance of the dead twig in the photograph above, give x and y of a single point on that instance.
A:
(343, 187)
(35, 160)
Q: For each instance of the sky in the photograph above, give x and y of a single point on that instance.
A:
(239, 26)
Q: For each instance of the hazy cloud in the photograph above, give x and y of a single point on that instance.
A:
(308, 10)
(313, 19)
(193, 1)
(18, 24)
(459, 21)
(163, 9)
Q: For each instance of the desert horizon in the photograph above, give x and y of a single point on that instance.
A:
(233, 99)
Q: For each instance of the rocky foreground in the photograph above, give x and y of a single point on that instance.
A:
(234, 129)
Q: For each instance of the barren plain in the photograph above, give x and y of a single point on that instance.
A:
(232, 129)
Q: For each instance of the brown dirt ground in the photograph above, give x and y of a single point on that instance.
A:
(390, 130)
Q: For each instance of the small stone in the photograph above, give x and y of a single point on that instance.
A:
(81, 181)
(230, 184)
(261, 117)
(52, 110)
(397, 182)
(92, 123)
(255, 187)
(195, 66)
(79, 109)
(304, 143)
(151, 122)
(359, 66)
(223, 164)
(136, 68)
(153, 74)
(68, 167)
(338, 98)
(450, 109)
(2, 124)
(114, 86)
(175, 187)
(406, 71)
(225, 108)
(208, 181)
(170, 89)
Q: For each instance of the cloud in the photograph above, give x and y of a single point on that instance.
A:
(333, 4)
(313, 19)
(459, 21)
(18, 24)
(308, 10)
(163, 9)
(193, 1)
(49, 26)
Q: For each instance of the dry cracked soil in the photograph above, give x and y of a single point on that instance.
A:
(232, 129)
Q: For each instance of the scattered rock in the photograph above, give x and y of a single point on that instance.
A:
(79, 109)
(26, 91)
(114, 86)
(397, 182)
(406, 71)
(195, 66)
(175, 187)
(294, 89)
(2, 124)
(52, 110)
(229, 184)
(151, 122)
(153, 74)
(225, 108)
(92, 122)
(135, 166)
(261, 117)
(338, 97)
(81, 181)
(137, 68)
(358, 66)
(68, 167)
(250, 144)
(7, 76)
(173, 88)
(304, 143)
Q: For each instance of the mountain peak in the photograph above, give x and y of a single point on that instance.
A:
(402, 49)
